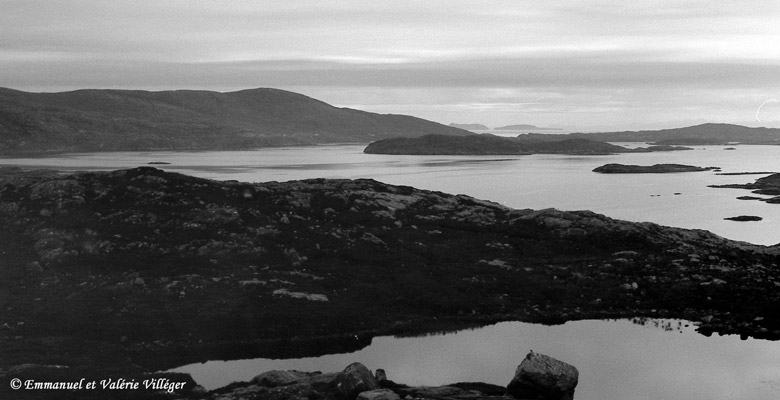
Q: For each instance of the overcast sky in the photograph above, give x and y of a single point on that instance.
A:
(571, 63)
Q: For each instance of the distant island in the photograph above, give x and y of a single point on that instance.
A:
(704, 134)
(523, 127)
(486, 144)
(134, 120)
(470, 127)
(768, 186)
(649, 169)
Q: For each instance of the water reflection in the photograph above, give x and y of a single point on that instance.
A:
(664, 324)
(619, 359)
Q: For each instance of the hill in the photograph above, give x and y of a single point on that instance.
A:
(704, 134)
(486, 144)
(108, 120)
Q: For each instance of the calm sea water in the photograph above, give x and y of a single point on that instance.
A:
(617, 360)
(537, 181)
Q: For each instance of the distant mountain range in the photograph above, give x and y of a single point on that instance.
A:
(108, 120)
(518, 127)
(705, 134)
(523, 127)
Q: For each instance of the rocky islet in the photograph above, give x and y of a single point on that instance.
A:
(767, 186)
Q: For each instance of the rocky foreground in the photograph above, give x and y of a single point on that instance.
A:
(124, 272)
(538, 377)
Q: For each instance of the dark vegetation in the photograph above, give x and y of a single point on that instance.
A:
(110, 120)
(140, 270)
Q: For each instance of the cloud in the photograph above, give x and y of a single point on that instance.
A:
(575, 60)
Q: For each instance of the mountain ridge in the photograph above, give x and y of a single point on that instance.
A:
(116, 120)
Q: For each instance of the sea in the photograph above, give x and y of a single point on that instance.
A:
(564, 182)
(618, 360)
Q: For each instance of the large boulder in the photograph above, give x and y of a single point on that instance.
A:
(543, 377)
(378, 394)
(353, 380)
(280, 378)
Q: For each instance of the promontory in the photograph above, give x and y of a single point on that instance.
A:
(486, 144)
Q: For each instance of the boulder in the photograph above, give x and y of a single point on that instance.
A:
(380, 375)
(354, 379)
(542, 377)
(378, 394)
(279, 378)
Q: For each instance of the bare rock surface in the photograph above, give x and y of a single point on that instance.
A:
(542, 377)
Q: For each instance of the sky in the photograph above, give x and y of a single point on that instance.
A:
(570, 64)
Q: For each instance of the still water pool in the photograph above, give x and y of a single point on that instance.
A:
(617, 360)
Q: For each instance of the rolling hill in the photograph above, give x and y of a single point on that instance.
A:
(114, 120)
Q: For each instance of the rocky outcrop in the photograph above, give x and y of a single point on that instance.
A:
(379, 394)
(142, 268)
(651, 169)
(280, 378)
(543, 377)
(354, 382)
(537, 377)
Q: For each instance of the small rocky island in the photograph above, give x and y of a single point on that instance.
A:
(650, 169)
(745, 218)
(486, 144)
(117, 274)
